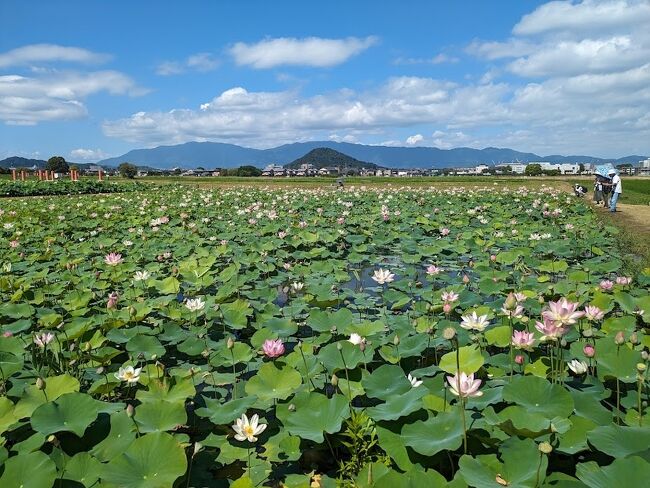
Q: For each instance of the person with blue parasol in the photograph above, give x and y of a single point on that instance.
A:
(617, 189)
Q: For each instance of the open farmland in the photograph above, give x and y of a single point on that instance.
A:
(370, 336)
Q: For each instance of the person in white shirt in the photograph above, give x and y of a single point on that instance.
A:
(617, 189)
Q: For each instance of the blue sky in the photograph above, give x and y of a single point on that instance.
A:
(89, 80)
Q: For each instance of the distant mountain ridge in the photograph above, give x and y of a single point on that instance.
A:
(323, 157)
(220, 155)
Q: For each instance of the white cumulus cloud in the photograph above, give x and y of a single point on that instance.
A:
(415, 139)
(47, 53)
(201, 62)
(310, 51)
(88, 154)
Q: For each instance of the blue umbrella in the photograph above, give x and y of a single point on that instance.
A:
(604, 169)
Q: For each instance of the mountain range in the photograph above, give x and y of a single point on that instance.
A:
(220, 155)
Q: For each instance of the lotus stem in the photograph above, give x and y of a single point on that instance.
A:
(234, 374)
(306, 368)
(347, 377)
(461, 403)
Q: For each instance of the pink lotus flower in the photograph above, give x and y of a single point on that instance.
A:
(444, 231)
(273, 348)
(113, 259)
(464, 385)
(520, 297)
(523, 340)
(606, 285)
(340, 221)
(42, 340)
(282, 234)
(593, 313)
(449, 296)
(14, 244)
(433, 270)
(589, 350)
(549, 330)
(112, 300)
(7, 333)
(561, 313)
(515, 313)
(623, 280)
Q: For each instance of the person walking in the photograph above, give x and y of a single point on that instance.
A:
(617, 189)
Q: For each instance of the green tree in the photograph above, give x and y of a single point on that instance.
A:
(533, 169)
(581, 167)
(57, 164)
(127, 170)
(248, 171)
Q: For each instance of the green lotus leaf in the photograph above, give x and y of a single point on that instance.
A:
(167, 286)
(83, 468)
(385, 382)
(442, 432)
(10, 364)
(151, 461)
(471, 360)
(631, 471)
(322, 321)
(314, 414)
(148, 346)
(399, 406)
(521, 466)
(499, 336)
(349, 356)
(222, 413)
(160, 415)
(55, 386)
(616, 361)
(620, 441)
(274, 382)
(30, 470)
(71, 412)
(236, 314)
(17, 310)
(7, 418)
(174, 390)
(575, 439)
(122, 433)
(282, 327)
(538, 396)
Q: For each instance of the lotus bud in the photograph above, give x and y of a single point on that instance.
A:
(545, 448)
(132, 311)
(644, 355)
(563, 342)
(40, 383)
(100, 370)
(511, 302)
(339, 346)
(588, 332)
(335, 380)
(619, 339)
(291, 407)
(466, 278)
(362, 346)
(540, 299)
(396, 340)
(230, 343)
(493, 257)
(641, 368)
(130, 411)
(519, 359)
(449, 333)
(205, 353)
(634, 338)
(333, 329)
(446, 308)
(589, 350)
(154, 357)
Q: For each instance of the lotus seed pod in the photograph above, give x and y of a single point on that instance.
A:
(641, 367)
(130, 411)
(40, 383)
(588, 332)
(335, 380)
(545, 448)
(449, 333)
(396, 340)
(230, 343)
(619, 339)
(291, 407)
(53, 440)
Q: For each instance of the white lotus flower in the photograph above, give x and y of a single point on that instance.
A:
(246, 430)
(383, 276)
(356, 339)
(297, 286)
(194, 304)
(578, 367)
(474, 322)
(141, 275)
(414, 381)
(129, 374)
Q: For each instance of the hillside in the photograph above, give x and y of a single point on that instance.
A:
(18, 162)
(219, 155)
(323, 157)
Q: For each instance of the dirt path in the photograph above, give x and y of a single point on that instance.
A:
(635, 217)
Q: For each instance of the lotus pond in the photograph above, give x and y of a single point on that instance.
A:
(368, 337)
